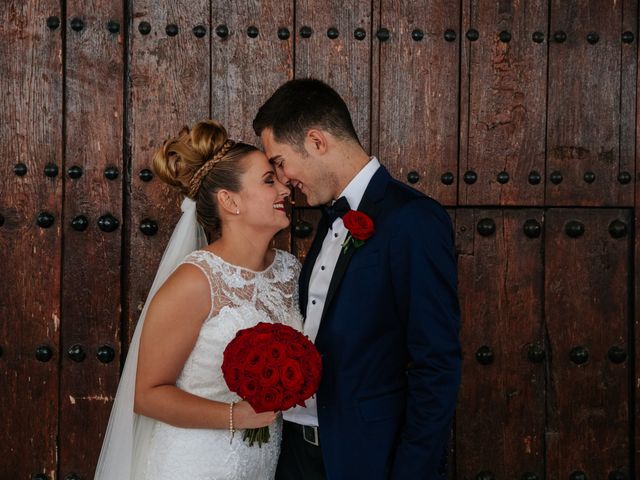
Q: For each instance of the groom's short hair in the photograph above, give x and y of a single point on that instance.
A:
(302, 104)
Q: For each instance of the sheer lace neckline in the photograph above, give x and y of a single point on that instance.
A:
(244, 269)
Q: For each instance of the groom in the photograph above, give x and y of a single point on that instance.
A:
(379, 301)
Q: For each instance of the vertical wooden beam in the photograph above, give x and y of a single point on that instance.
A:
(30, 141)
(169, 88)
(91, 294)
(337, 52)
(505, 74)
(500, 418)
(419, 94)
(585, 115)
(251, 56)
(250, 61)
(587, 279)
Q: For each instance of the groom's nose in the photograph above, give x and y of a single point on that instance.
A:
(282, 178)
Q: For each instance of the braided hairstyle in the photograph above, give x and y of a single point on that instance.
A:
(200, 162)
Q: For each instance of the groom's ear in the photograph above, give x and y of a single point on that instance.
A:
(315, 141)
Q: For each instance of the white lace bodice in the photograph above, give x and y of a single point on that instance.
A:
(240, 298)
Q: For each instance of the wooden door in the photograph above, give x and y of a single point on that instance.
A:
(519, 117)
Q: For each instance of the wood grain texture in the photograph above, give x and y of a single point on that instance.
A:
(245, 71)
(635, 323)
(504, 85)
(587, 305)
(418, 94)
(500, 416)
(584, 118)
(91, 259)
(169, 88)
(343, 62)
(31, 100)
(628, 95)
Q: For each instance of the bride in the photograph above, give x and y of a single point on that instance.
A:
(173, 416)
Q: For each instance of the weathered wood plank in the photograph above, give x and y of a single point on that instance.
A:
(500, 416)
(248, 65)
(168, 89)
(30, 135)
(418, 95)
(584, 118)
(587, 314)
(631, 26)
(251, 56)
(505, 70)
(343, 61)
(91, 258)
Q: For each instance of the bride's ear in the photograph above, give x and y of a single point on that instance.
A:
(228, 202)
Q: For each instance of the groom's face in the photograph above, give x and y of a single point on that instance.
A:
(298, 169)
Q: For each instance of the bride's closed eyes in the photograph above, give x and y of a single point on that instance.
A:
(268, 178)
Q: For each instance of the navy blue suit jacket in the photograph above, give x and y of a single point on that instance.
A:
(389, 341)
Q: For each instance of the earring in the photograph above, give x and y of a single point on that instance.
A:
(237, 211)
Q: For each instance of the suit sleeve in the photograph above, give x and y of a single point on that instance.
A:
(425, 290)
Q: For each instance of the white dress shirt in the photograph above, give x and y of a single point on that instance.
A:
(321, 277)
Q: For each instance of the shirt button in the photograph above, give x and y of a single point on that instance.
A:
(322, 267)
(335, 235)
(313, 302)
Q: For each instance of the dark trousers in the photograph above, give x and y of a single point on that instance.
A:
(299, 460)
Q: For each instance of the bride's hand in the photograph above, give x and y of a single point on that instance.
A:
(244, 416)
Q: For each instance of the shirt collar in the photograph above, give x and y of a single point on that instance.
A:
(354, 191)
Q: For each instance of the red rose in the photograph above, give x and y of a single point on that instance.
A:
(266, 400)
(288, 400)
(276, 353)
(291, 376)
(268, 377)
(359, 224)
(295, 350)
(262, 327)
(255, 360)
(233, 352)
(311, 368)
(261, 338)
(247, 387)
(232, 375)
(286, 335)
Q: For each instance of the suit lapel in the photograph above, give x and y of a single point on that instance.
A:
(309, 262)
(368, 205)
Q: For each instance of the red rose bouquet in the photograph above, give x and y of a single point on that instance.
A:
(273, 367)
(360, 227)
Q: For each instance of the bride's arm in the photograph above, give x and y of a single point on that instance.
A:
(169, 334)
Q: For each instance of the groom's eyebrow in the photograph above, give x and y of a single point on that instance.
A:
(273, 159)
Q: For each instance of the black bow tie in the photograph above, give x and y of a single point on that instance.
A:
(337, 209)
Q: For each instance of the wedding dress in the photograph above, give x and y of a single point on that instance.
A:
(240, 298)
(136, 447)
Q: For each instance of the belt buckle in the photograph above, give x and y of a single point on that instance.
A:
(310, 435)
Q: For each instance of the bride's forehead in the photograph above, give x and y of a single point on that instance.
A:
(257, 164)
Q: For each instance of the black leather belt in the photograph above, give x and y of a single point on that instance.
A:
(309, 434)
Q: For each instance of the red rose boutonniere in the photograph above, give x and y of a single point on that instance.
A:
(360, 228)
